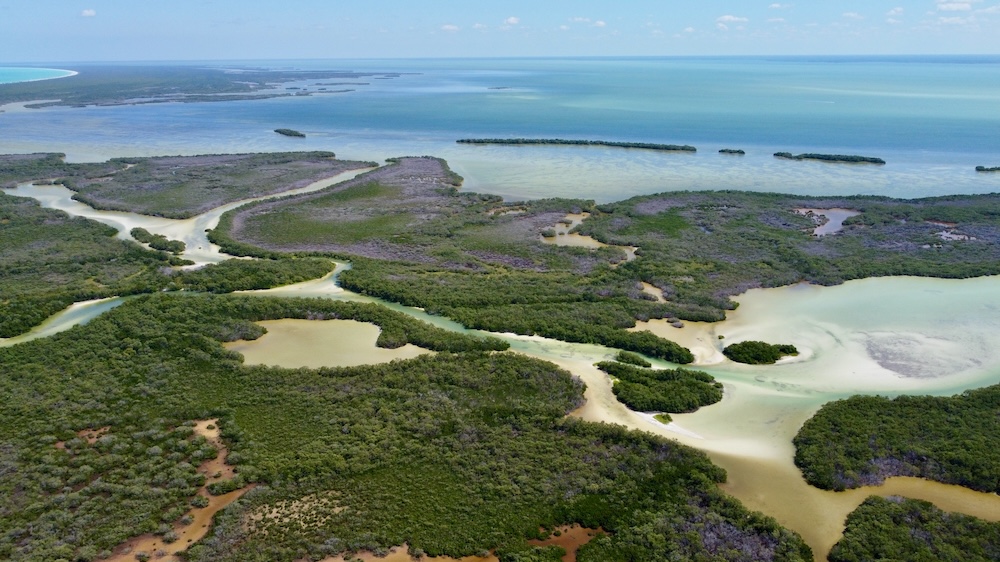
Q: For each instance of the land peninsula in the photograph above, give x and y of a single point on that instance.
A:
(135, 85)
(347, 459)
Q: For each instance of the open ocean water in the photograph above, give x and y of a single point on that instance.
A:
(933, 119)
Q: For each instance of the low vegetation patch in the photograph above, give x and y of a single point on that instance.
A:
(865, 439)
(758, 352)
(675, 391)
(903, 529)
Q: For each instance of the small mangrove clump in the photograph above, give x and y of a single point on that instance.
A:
(758, 352)
(738, 151)
(290, 133)
(158, 241)
(850, 159)
(641, 145)
(985, 169)
(632, 359)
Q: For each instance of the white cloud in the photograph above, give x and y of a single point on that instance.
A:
(600, 23)
(479, 26)
(990, 10)
(722, 26)
(88, 13)
(892, 21)
(954, 6)
(731, 19)
(895, 12)
(513, 20)
(688, 30)
(953, 20)
(580, 20)
(564, 27)
(776, 20)
(450, 28)
(853, 16)
(777, 6)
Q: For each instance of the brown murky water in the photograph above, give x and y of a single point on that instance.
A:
(320, 343)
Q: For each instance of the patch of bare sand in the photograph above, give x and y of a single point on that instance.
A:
(201, 518)
(319, 343)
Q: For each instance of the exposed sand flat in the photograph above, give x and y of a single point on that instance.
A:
(564, 237)
(215, 470)
(320, 343)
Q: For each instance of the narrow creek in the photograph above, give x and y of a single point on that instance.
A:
(915, 336)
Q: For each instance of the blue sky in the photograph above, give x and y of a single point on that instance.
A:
(95, 30)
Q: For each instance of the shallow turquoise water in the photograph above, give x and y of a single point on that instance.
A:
(11, 74)
(932, 118)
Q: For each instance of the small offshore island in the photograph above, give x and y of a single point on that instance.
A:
(985, 169)
(290, 133)
(848, 159)
(639, 145)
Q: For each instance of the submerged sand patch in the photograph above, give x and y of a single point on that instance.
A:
(834, 219)
(565, 237)
(319, 343)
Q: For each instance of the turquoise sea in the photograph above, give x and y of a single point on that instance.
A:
(933, 119)
(17, 74)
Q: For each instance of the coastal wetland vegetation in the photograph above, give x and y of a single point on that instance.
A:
(453, 454)
(758, 352)
(176, 187)
(136, 84)
(477, 433)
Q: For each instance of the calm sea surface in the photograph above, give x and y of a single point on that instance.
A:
(933, 119)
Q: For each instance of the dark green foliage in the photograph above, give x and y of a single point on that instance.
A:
(758, 352)
(290, 133)
(640, 145)
(737, 151)
(675, 391)
(632, 359)
(49, 260)
(453, 454)
(831, 158)
(158, 241)
(985, 169)
(864, 439)
(916, 531)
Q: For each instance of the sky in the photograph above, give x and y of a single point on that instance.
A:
(138, 30)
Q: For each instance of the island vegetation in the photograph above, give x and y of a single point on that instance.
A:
(986, 169)
(574, 142)
(630, 358)
(904, 529)
(737, 151)
(758, 352)
(864, 439)
(849, 159)
(290, 133)
(158, 241)
(666, 391)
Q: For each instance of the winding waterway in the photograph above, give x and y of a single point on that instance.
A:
(885, 335)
